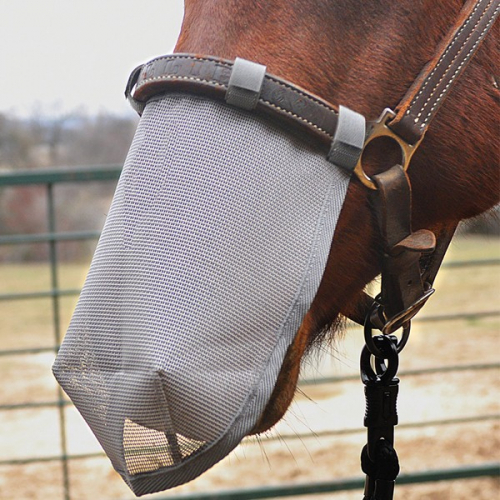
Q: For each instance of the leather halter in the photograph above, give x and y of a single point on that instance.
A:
(409, 257)
(209, 76)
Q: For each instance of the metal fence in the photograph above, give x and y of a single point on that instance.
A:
(50, 178)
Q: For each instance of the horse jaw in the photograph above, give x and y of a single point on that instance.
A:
(336, 297)
(285, 387)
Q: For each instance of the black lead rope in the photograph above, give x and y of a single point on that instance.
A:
(379, 365)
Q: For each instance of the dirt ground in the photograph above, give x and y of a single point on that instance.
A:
(321, 436)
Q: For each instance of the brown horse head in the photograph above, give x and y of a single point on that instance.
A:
(366, 55)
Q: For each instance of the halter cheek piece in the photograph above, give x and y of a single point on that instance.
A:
(410, 259)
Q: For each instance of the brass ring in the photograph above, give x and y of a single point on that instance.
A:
(380, 128)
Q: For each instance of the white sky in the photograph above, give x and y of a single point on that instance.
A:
(57, 56)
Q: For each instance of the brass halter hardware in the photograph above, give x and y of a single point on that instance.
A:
(381, 128)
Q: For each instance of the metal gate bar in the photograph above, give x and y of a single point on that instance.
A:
(428, 476)
(49, 178)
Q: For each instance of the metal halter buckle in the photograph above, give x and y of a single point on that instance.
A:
(381, 128)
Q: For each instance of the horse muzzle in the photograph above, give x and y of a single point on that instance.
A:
(212, 252)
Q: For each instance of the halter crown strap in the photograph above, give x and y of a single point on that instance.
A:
(425, 96)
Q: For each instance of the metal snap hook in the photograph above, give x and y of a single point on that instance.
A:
(376, 319)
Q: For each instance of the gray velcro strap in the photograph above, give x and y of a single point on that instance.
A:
(349, 139)
(245, 84)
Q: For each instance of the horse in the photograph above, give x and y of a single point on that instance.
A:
(176, 339)
(366, 54)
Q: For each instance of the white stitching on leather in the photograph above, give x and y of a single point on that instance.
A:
(298, 117)
(211, 82)
(229, 65)
(436, 86)
(297, 91)
(467, 57)
(174, 77)
(450, 46)
(175, 56)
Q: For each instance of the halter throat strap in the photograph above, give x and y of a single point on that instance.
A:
(391, 190)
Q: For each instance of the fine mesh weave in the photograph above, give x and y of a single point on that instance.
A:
(212, 252)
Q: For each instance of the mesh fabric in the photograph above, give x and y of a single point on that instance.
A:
(212, 252)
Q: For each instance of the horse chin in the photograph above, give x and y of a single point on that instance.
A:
(306, 339)
(284, 390)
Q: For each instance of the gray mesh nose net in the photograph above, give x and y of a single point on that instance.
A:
(212, 252)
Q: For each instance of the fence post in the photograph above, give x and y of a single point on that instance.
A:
(51, 213)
